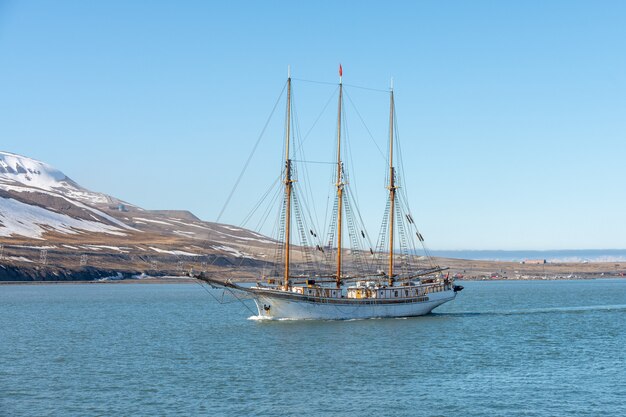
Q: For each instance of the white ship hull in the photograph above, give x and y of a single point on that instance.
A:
(271, 306)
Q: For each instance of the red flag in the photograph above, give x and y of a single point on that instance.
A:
(340, 71)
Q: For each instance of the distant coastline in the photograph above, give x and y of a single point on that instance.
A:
(61, 265)
(552, 256)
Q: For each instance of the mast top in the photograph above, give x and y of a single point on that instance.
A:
(289, 71)
(340, 73)
(391, 85)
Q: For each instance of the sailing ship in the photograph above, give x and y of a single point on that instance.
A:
(407, 285)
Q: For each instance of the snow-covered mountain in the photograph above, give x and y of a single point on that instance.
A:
(38, 175)
(36, 198)
(42, 209)
(30, 172)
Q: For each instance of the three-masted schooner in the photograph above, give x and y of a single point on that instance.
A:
(338, 295)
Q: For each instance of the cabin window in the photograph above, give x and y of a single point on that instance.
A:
(396, 293)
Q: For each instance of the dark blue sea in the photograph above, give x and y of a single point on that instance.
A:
(528, 348)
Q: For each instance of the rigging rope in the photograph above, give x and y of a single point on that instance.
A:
(317, 119)
(365, 125)
(366, 88)
(313, 162)
(221, 301)
(259, 203)
(313, 81)
(345, 85)
(245, 167)
(308, 190)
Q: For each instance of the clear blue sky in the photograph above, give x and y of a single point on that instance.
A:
(512, 114)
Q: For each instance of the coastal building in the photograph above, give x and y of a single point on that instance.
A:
(535, 261)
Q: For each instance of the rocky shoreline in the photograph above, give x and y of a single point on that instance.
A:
(460, 269)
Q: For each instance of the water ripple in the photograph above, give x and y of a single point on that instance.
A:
(514, 349)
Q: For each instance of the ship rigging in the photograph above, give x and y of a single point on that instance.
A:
(315, 279)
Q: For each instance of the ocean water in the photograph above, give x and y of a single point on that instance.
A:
(539, 348)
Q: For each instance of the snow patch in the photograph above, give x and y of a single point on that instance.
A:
(233, 251)
(18, 258)
(29, 172)
(22, 219)
(190, 224)
(244, 238)
(117, 277)
(115, 248)
(154, 221)
(37, 174)
(174, 252)
(183, 233)
(99, 213)
(34, 247)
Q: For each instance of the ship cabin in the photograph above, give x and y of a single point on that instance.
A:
(318, 291)
(371, 290)
(366, 290)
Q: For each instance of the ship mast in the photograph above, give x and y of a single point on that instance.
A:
(392, 187)
(339, 183)
(288, 183)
